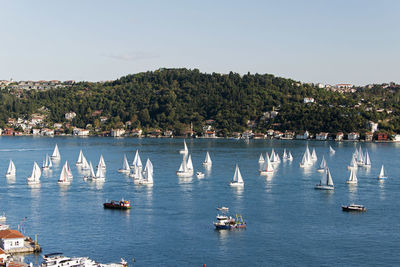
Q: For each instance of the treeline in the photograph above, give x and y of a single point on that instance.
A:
(171, 99)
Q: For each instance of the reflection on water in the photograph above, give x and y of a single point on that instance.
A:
(11, 179)
(222, 236)
(382, 194)
(353, 196)
(307, 170)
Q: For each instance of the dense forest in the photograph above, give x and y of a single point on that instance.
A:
(172, 99)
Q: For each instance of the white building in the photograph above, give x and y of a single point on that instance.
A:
(353, 136)
(70, 115)
(309, 100)
(80, 132)
(11, 239)
(373, 126)
(321, 136)
(117, 132)
(303, 136)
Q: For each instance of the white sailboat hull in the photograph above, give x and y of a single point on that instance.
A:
(235, 184)
(184, 174)
(321, 170)
(324, 187)
(351, 182)
(123, 171)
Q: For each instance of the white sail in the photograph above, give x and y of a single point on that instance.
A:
(135, 159)
(68, 170)
(185, 149)
(314, 155)
(35, 176)
(360, 159)
(273, 156)
(382, 173)
(284, 156)
(353, 177)
(277, 158)
(367, 160)
(290, 157)
(322, 166)
(11, 169)
(102, 163)
(148, 173)
(49, 161)
(56, 154)
(80, 158)
(331, 150)
(64, 175)
(267, 168)
(125, 166)
(99, 173)
(237, 179)
(261, 159)
(353, 162)
(207, 161)
(190, 163)
(181, 168)
(329, 177)
(92, 174)
(85, 165)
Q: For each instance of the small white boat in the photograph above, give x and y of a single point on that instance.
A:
(186, 167)
(3, 217)
(382, 175)
(237, 178)
(306, 160)
(326, 182)
(56, 154)
(207, 161)
(290, 157)
(147, 177)
(79, 162)
(199, 175)
(367, 160)
(314, 155)
(353, 177)
(11, 169)
(35, 176)
(64, 179)
(47, 163)
(223, 209)
(331, 150)
(102, 163)
(353, 163)
(267, 168)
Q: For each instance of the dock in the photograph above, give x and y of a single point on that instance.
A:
(30, 246)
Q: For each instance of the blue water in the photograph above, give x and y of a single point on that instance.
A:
(288, 221)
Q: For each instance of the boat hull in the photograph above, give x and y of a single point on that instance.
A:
(324, 187)
(113, 206)
(357, 209)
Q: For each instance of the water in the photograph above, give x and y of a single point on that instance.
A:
(170, 224)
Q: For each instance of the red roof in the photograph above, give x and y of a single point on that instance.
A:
(6, 234)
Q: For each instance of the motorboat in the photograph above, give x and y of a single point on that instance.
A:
(200, 175)
(354, 207)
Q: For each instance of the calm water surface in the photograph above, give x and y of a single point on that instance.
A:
(288, 222)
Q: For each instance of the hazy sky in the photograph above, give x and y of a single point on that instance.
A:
(335, 41)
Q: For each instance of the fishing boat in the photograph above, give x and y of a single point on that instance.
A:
(200, 175)
(35, 176)
(185, 149)
(147, 174)
(56, 156)
(261, 159)
(237, 178)
(354, 207)
(125, 166)
(331, 150)
(382, 175)
(226, 223)
(353, 177)
(64, 179)
(207, 161)
(322, 166)
(79, 162)
(186, 167)
(120, 204)
(326, 182)
(267, 168)
(11, 171)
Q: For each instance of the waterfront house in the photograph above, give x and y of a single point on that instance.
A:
(209, 134)
(248, 134)
(8, 131)
(396, 138)
(11, 239)
(303, 136)
(339, 136)
(11, 121)
(35, 131)
(353, 136)
(137, 132)
(117, 132)
(259, 135)
(168, 133)
(270, 133)
(321, 136)
(382, 137)
(47, 132)
(57, 125)
(288, 135)
(369, 136)
(278, 134)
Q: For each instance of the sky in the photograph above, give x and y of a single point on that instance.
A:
(341, 41)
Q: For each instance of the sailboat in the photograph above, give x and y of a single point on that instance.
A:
(207, 161)
(306, 160)
(331, 150)
(79, 162)
(284, 156)
(360, 157)
(184, 170)
(147, 174)
(367, 160)
(326, 182)
(322, 166)
(85, 165)
(237, 178)
(47, 164)
(353, 163)
(102, 163)
(314, 155)
(290, 157)
(352, 177)
(100, 175)
(382, 175)
(136, 167)
(267, 168)
(185, 150)
(261, 159)
(91, 175)
(11, 169)
(125, 166)
(35, 176)
(68, 170)
(64, 179)
(56, 154)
